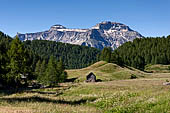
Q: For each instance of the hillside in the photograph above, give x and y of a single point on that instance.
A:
(157, 68)
(140, 52)
(73, 56)
(105, 72)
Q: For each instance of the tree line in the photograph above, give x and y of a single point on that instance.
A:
(144, 51)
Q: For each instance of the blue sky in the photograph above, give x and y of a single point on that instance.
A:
(148, 17)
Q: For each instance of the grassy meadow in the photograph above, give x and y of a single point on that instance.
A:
(158, 68)
(117, 93)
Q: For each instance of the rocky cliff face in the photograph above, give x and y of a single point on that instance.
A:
(110, 34)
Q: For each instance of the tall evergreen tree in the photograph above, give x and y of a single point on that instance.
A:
(4, 60)
(18, 62)
(38, 68)
(60, 66)
(52, 75)
(61, 72)
(106, 54)
(42, 72)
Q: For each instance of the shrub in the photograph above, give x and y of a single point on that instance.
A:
(133, 76)
(168, 67)
(167, 80)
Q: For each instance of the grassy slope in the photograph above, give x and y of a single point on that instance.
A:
(104, 71)
(143, 95)
(158, 68)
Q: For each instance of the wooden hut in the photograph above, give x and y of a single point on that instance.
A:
(91, 77)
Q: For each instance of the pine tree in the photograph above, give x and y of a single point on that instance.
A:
(147, 59)
(42, 77)
(106, 54)
(4, 60)
(62, 74)
(18, 60)
(60, 66)
(38, 68)
(52, 76)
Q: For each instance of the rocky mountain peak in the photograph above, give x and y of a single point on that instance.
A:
(110, 34)
(108, 25)
(56, 27)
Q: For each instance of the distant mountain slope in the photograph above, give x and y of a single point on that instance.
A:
(107, 33)
(73, 56)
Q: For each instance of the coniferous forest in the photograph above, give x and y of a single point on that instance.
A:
(142, 52)
(73, 56)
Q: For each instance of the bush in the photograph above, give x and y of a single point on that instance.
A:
(168, 67)
(133, 76)
(167, 80)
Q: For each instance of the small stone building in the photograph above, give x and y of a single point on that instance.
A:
(91, 77)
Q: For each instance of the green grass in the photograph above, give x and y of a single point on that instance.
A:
(137, 95)
(116, 94)
(104, 71)
(158, 68)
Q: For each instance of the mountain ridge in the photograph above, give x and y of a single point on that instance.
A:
(104, 34)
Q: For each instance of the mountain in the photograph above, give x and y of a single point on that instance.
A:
(106, 33)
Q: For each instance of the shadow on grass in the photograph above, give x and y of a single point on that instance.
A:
(57, 93)
(10, 91)
(47, 100)
(71, 79)
(4, 92)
